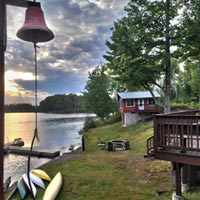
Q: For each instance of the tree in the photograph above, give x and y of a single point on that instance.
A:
(189, 31)
(168, 60)
(139, 48)
(96, 96)
(192, 71)
(62, 103)
(183, 88)
(189, 43)
(130, 59)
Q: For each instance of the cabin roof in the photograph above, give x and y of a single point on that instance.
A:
(137, 95)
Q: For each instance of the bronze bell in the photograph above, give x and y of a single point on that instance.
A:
(34, 28)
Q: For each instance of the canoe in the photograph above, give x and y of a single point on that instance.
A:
(26, 182)
(37, 180)
(53, 188)
(21, 188)
(6, 184)
(41, 173)
(75, 147)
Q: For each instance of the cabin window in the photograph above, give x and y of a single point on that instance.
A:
(129, 103)
(151, 102)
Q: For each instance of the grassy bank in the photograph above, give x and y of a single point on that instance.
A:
(121, 175)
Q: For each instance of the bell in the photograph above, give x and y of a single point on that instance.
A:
(34, 28)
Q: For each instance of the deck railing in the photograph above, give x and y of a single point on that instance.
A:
(177, 131)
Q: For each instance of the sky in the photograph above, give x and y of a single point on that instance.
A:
(80, 27)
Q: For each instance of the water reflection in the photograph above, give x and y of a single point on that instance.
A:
(56, 132)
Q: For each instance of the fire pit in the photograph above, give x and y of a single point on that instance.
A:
(113, 145)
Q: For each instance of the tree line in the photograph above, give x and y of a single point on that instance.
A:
(59, 103)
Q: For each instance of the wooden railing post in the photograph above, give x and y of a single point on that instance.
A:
(155, 138)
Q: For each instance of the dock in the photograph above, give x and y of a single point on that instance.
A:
(26, 151)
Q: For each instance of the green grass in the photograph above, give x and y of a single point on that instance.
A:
(120, 175)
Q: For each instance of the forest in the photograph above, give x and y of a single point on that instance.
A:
(60, 103)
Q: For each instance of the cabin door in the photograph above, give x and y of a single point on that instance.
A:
(141, 104)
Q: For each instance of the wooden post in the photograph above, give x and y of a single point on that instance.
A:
(178, 179)
(185, 174)
(2, 48)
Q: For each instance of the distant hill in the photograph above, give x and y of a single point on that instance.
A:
(23, 107)
(59, 103)
(62, 103)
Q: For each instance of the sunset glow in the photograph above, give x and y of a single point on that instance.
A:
(10, 76)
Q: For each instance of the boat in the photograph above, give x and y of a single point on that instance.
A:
(21, 188)
(31, 188)
(53, 188)
(37, 180)
(16, 142)
(75, 147)
(41, 173)
(6, 184)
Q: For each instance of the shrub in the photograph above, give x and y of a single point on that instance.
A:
(114, 118)
(89, 123)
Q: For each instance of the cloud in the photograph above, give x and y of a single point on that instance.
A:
(81, 28)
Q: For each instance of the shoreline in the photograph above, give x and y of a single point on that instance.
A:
(64, 157)
(60, 159)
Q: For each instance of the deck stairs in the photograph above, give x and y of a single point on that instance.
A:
(150, 149)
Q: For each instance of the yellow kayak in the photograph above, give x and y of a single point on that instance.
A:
(41, 173)
(53, 188)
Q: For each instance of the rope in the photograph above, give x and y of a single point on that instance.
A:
(35, 135)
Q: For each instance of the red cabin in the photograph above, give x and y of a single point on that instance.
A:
(136, 106)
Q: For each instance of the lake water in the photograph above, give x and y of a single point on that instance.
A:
(57, 132)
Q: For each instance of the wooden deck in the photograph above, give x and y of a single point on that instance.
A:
(177, 139)
(177, 136)
(179, 156)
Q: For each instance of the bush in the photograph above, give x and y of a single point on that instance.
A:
(89, 123)
(114, 118)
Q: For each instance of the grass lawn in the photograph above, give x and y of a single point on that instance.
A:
(117, 175)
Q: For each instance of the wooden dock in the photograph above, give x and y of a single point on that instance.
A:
(26, 151)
